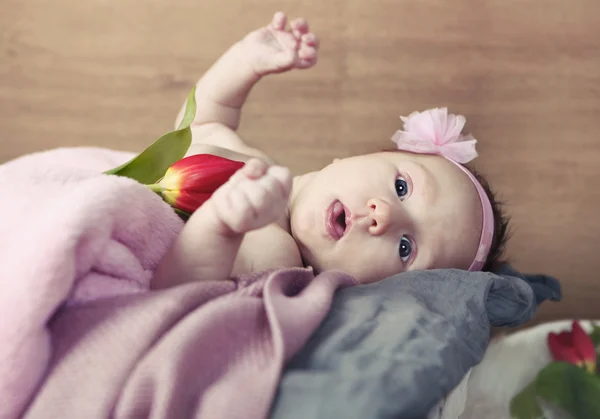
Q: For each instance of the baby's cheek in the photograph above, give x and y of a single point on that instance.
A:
(302, 219)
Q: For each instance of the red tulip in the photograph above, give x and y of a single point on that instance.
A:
(189, 183)
(575, 347)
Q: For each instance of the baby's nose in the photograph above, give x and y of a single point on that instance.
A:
(381, 216)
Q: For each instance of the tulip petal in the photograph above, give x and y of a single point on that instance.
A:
(583, 345)
(171, 181)
(170, 197)
(562, 352)
(192, 180)
(190, 202)
(565, 338)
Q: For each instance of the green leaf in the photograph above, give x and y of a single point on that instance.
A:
(182, 214)
(190, 110)
(524, 405)
(150, 165)
(570, 388)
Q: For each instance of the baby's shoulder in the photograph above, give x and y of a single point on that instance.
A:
(221, 141)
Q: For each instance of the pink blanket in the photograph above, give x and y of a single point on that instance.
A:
(81, 335)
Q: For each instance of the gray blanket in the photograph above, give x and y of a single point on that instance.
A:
(394, 349)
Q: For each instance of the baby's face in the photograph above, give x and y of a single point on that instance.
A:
(379, 214)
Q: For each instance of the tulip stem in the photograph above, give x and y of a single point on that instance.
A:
(156, 188)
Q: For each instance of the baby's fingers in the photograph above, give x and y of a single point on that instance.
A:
(310, 39)
(279, 21)
(254, 168)
(282, 180)
(299, 27)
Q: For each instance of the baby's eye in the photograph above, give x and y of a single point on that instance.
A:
(401, 187)
(405, 249)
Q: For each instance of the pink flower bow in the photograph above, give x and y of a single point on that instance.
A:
(435, 131)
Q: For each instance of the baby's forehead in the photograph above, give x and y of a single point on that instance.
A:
(432, 163)
(453, 183)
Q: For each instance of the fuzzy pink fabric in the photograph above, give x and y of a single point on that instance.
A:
(81, 335)
(68, 234)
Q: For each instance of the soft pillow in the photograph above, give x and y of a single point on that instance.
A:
(395, 348)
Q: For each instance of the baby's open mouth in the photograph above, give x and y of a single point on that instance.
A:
(337, 220)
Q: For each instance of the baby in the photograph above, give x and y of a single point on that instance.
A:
(371, 216)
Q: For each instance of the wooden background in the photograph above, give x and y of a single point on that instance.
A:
(524, 72)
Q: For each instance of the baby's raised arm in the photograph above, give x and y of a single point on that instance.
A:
(256, 195)
(224, 88)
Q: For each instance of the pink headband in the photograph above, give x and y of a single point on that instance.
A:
(435, 131)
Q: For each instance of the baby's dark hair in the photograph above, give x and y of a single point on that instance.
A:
(501, 227)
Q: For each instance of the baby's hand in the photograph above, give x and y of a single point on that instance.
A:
(255, 196)
(274, 49)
